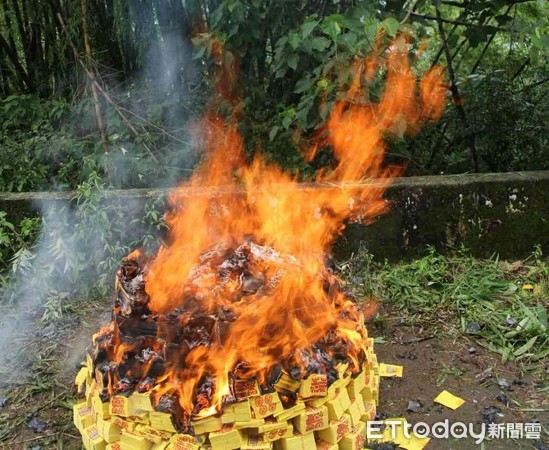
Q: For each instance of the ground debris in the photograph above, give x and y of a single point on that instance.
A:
(503, 398)
(473, 327)
(491, 414)
(37, 424)
(414, 406)
(503, 384)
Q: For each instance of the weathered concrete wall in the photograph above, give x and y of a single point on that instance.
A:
(504, 213)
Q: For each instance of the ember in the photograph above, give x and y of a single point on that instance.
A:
(239, 333)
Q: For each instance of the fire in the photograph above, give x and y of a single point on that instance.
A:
(277, 297)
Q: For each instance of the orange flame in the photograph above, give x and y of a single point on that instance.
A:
(260, 201)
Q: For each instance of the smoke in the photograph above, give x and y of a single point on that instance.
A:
(82, 242)
(74, 259)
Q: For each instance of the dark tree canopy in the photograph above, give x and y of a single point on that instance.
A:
(110, 86)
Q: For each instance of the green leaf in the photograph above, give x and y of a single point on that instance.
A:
(287, 121)
(505, 353)
(308, 27)
(541, 42)
(349, 40)
(477, 36)
(273, 132)
(322, 83)
(542, 314)
(303, 85)
(331, 27)
(391, 26)
(294, 40)
(292, 61)
(320, 43)
(371, 32)
(526, 346)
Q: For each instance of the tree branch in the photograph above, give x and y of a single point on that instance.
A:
(410, 11)
(537, 83)
(98, 114)
(466, 3)
(106, 96)
(12, 55)
(455, 91)
(456, 22)
(488, 42)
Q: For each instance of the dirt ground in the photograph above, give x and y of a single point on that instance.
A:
(432, 361)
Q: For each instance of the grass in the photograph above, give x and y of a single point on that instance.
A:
(38, 379)
(501, 305)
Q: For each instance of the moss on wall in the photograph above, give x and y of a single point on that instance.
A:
(506, 214)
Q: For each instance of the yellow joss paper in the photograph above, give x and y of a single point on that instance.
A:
(256, 443)
(298, 442)
(336, 430)
(389, 370)
(394, 431)
(244, 389)
(323, 445)
(311, 419)
(357, 384)
(162, 445)
(114, 446)
(184, 442)
(141, 401)
(207, 425)
(416, 443)
(228, 438)
(120, 406)
(101, 408)
(237, 412)
(108, 430)
(354, 440)
(279, 433)
(290, 413)
(161, 421)
(369, 412)
(449, 400)
(338, 405)
(93, 439)
(255, 423)
(82, 416)
(131, 440)
(266, 405)
(315, 385)
(80, 380)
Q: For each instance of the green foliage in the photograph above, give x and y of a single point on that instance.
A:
(292, 60)
(507, 301)
(50, 144)
(77, 249)
(15, 239)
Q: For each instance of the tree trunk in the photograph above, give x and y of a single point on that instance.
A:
(98, 114)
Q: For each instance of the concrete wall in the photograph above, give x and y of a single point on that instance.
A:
(504, 213)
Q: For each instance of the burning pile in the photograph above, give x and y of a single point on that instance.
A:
(137, 372)
(238, 333)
